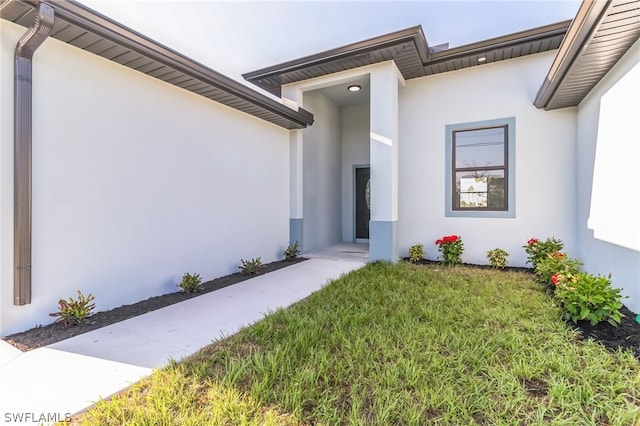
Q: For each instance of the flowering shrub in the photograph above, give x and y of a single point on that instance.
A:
(416, 253)
(538, 250)
(497, 257)
(588, 297)
(582, 296)
(451, 248)
(556, 263)
(74, 311)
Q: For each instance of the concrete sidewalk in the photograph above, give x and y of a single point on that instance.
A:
(50, 383)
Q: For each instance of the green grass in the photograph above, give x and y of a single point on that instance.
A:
(403, 344)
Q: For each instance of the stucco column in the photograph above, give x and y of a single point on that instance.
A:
(293, 97)
(383, 226)
(295, 187)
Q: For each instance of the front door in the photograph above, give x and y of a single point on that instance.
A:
(363, 203)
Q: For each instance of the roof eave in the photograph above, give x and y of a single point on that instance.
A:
(421, 61)
(508, 40)
(96, 23)
(413, 33)
(580, 32)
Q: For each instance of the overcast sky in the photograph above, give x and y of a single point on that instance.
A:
(235, 37)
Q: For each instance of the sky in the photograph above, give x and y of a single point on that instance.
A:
(236, 37)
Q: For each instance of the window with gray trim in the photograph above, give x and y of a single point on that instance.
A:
(480, 173)
(479, 168)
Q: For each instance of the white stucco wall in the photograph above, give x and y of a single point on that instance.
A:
(607, 201)
(135, 182)
(355, 152)
(321, 174)
(545, 159)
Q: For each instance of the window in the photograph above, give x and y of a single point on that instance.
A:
(480, 169)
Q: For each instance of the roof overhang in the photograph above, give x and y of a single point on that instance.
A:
(598, 37)
(88, 30)
(412, 55)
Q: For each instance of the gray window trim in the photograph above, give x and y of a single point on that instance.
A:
(510, 169)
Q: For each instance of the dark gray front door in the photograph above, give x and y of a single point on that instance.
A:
(363, 212)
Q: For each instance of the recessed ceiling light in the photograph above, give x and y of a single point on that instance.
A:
(354, 88)
(482, 58)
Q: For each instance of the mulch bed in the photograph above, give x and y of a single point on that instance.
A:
(55, 332)
(625, 336)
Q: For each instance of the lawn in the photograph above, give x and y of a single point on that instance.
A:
(396, 344)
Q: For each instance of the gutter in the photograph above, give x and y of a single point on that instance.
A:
(582, 30)
(26, 47)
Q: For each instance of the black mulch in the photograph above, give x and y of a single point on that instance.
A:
(55, 332)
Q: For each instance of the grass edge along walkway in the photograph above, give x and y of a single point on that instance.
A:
(395, 344)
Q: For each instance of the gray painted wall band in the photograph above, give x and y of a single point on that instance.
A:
(27, 45)
(296, 231)
(383, 241)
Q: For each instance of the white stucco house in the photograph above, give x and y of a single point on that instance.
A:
(124, 164)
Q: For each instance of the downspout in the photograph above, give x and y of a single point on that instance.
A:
(30, 41)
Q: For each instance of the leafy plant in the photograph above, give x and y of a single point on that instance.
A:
(556, 263)
(191, 283)
(588, 297)
(497, 257)
(451, 248)
(74, 311)
(251, 267)
(292, 252)
(538, 250)
(416, 253)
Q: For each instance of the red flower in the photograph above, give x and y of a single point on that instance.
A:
(554, 279)
(447, 239)
(532, 241)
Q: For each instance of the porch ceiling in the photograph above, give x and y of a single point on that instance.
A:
(599, 36)
(88, 30)
(413, 56)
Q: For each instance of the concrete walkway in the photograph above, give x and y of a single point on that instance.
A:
(50, 383)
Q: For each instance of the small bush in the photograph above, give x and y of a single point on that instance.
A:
(538, 250)
(588, 297)
(451, 248)
(416, 253)
(251, 267)
(191, 283)
(74, 311)
(556, 263)
(497, 257)
(292, 252)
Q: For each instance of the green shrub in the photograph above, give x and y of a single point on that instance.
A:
(74, 312)
(497, 257)
(538, 250)
(451, 248)
(588, 297)
(292, 252)
(251, 267)
(191, 283)
(556, 263)
(416, 253)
